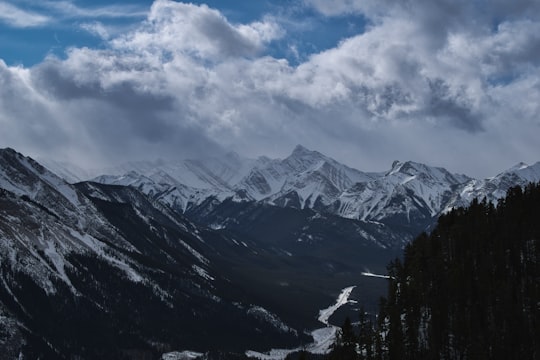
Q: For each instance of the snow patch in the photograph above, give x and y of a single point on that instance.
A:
(323, 338)
(195, 253)
(202, 273)
(181, 355)
(261, 313)
(369, 274)
(342, 299)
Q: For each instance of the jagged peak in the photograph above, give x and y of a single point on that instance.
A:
(303, 153)
(414, 168)
(396, 167)
(396, 164)
(519, 166)
(10, 152)
(301, 150)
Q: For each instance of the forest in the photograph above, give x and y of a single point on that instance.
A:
(470, 289)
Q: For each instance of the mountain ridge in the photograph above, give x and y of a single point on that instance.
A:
(145, 279)
(409, 193)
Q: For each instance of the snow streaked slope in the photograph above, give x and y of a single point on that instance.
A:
(162, 187)
(112, 257)
(310, 178)
(187, 183)
(215, 173)
(496, 187)
(315, 179)
(30, 181)
(45, 220)
(411, 191)
(409, 194)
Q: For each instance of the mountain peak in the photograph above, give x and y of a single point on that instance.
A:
(9, 152)
(518, 166)
(301, 150)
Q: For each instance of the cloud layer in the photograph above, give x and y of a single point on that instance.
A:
(451, 83)
(16, 17)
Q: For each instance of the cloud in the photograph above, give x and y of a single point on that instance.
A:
(187, 81)
(197, 30)
(97, 29)
(69, 9)
(19, 18)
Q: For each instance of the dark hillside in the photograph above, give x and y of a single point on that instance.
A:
(470, 289)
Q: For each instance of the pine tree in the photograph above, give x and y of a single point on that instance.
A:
(468, 290)
(344, 347)
(366, 336)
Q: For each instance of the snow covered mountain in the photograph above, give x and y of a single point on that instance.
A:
(495, 188)
(410, 194)
(198, 245)
(106, 271)
(305, 179)
(97, 270)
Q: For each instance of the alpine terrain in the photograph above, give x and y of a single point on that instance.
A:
(217, 255)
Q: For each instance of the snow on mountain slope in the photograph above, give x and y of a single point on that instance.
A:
(163, 187)
(26, 178)
(315, 179)
(71, 172)
(305, 179)
(215, 173)
(410, 194)
(496, 187)
(411, 191)
(187, 183)
(46, 219)
(115, 260)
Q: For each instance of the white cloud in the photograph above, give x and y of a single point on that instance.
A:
(189, 81)
(197, 30)
(70, 9)
(96, 28)
(16, 17)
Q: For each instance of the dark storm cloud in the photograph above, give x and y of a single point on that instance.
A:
(452, 108)
(224, 37)
(24, 119)
(125, 104)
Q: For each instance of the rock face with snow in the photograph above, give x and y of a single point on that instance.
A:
(195, 255)
(409, 195)
(99, 270)
(102, 271)
(495, 188)
(311, 179)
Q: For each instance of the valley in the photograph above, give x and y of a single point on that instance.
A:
(218, 256)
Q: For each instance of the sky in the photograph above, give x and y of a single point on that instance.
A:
(451, 83)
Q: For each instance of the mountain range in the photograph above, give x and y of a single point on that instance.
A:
(409, 195)
(217, 254)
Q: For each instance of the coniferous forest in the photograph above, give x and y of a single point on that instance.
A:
(468, 290)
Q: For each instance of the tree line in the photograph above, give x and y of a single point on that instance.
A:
(468, 290)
